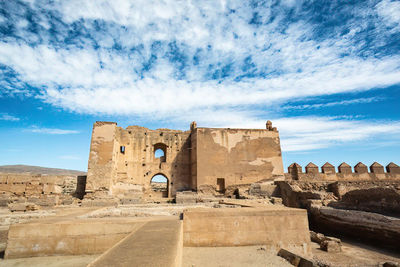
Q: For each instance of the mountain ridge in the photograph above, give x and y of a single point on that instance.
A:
(21, 168)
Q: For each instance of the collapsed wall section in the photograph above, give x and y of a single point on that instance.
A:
(40, 189)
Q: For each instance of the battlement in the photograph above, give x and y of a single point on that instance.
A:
(344, 172)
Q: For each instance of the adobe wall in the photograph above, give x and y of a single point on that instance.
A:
(44, 190)
(75, 237)
(360, 172)
(128, 171)
(239, 156)
(276, 227)
(122, 162)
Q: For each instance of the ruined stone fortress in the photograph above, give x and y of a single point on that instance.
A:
(224, 188)
(123, 162)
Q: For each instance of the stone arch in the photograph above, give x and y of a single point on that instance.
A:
(159, 189)
(163, 148)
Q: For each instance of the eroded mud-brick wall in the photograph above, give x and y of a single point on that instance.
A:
(226, 157)
(36, 188)
(122, 162)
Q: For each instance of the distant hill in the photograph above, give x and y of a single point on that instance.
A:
(38, 170)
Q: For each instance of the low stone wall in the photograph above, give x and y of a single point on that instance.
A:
(276, 227)
(89, 236)
(43, 190)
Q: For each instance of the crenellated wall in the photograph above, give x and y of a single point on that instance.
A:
(344, 172)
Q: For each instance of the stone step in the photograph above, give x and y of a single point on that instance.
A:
(157, 243)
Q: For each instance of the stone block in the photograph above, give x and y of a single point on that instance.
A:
(331, 246)
(276, 200)
(295, 260)
(127, 201)
(186, 197)
(17, 207)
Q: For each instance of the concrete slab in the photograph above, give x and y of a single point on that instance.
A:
(157, 243)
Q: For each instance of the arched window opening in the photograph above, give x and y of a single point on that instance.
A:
(159, 185)
(160, 152)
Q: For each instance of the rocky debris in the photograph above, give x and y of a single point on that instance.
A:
(327, 243)
(264, 189)
(359, 224)
(379, 197)
(276, 200)
(331, 246)
(389, 264)
(297, 194)
(22, 207)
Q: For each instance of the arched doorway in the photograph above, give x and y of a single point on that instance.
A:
(159, 185)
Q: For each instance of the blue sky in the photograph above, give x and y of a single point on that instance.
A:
(327, 73)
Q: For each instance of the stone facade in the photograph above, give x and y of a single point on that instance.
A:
(122, 162)
(43, 190)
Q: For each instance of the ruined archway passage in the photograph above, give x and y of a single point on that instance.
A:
(159, 185)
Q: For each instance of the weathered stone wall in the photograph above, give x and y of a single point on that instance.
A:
(239, 156)
(122, 162)
(344, 172)
(101, 157)
(36, 188)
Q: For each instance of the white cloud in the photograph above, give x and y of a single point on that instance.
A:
(75, 80)
(308, 133)
(287, 60)
(52, 131)
(390, 12)
(108, 81)
(8, 117)
(364, 100)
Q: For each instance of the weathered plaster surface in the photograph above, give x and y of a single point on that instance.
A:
(193, 158)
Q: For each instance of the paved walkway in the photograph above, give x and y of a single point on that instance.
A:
(157, 243)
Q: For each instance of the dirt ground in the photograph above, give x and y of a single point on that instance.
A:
(54, 261)
(354, 255)
(256, 256)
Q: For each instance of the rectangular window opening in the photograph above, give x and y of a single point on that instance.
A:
(122, 149)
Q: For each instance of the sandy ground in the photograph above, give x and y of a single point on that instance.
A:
(354, 255)
(255, 256)
(54, 261)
